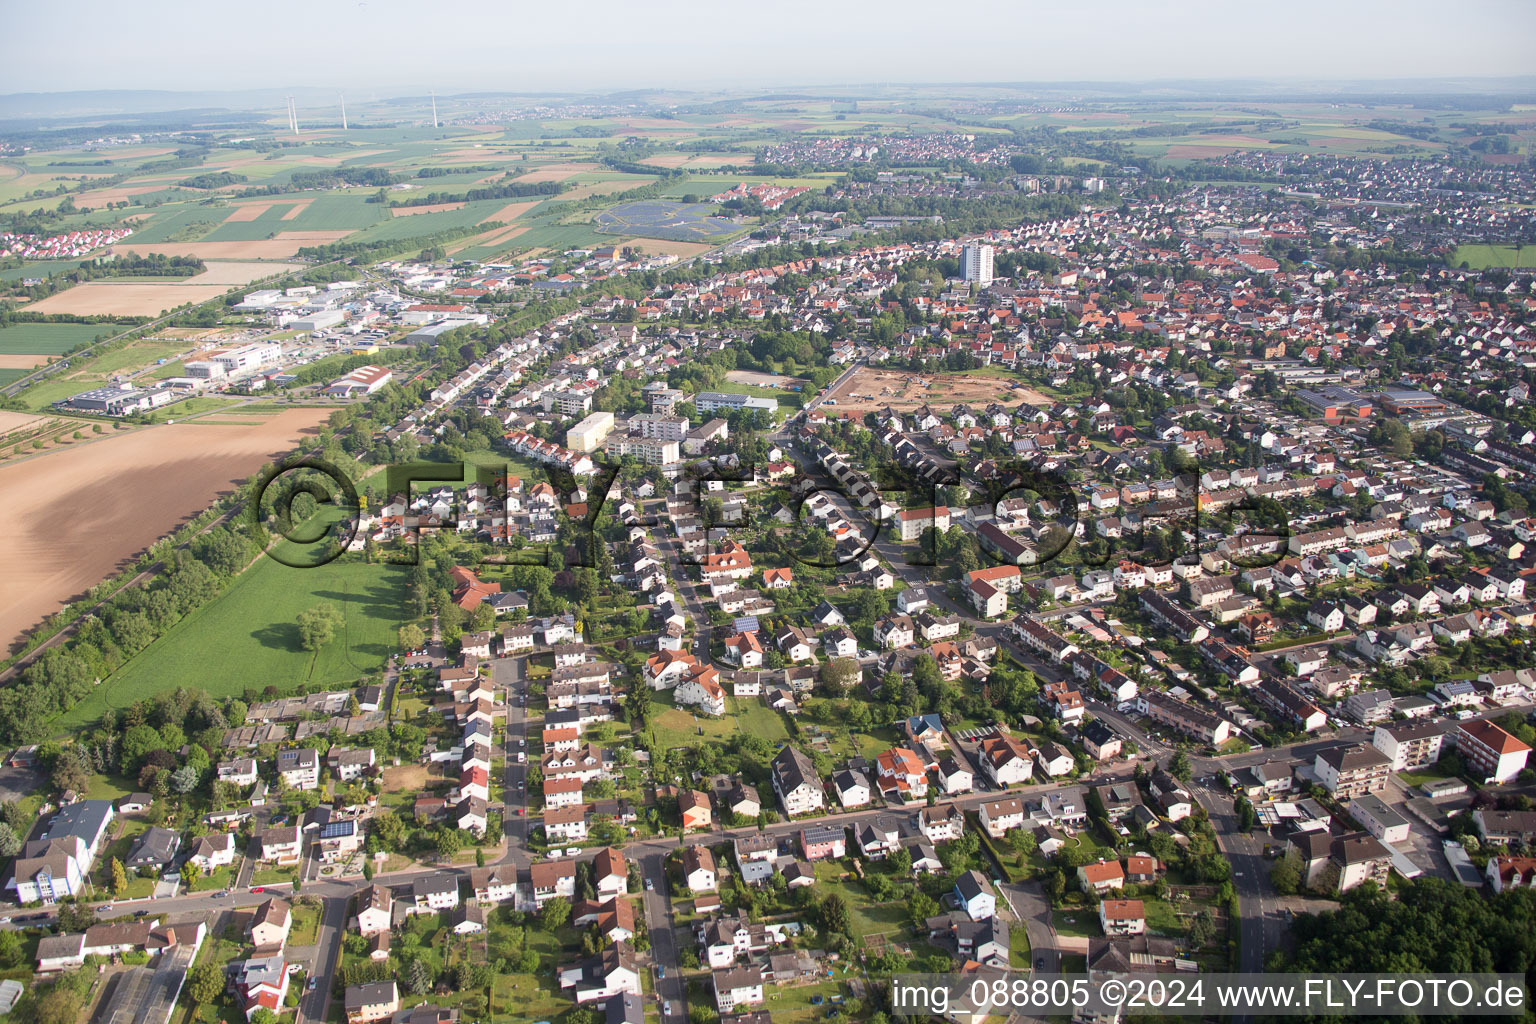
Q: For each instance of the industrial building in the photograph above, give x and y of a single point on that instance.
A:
(364, 380)
(248, 357)
(117, 401)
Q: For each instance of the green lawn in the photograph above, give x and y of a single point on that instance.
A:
(869, 917)
(792, 1004)
(306, 925)
(1018, 949)
(221, 878)
(675, 727)
(755, 718)
(1162, 918)
(1079, 922)
(257, 643)
(1483, 257)
(1422, 776)
(281, 879)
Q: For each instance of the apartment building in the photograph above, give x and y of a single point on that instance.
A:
(1348, 772)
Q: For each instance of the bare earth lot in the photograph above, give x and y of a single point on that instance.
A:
(665, 247)
(902, 390)
(149, 298)
(10, 421)
(79, 512)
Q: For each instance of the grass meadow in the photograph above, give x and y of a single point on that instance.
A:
(246, 637)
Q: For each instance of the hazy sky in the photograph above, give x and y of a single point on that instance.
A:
(607, 44)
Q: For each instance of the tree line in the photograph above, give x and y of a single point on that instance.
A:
(510, 190)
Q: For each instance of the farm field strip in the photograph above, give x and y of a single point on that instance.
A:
(102, 501)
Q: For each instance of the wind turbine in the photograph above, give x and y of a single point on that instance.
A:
(434, 110)
(343, 97)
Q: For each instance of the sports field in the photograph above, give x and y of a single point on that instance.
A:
(658, 218)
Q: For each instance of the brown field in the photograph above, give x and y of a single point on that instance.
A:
(902, 390)
(22, 361)
(509, 213)
(603, 188)
(149, 298)
(10, 421)
(492, 237)
(411, 211)
(186, 332)
(240, 273)
(81, 512)
(100, 298)
(284, 246)
(1181, 151)
(665, 247)
(296, 209)
(411, 778)
(555, 172)
(97, 200)
(245, 213)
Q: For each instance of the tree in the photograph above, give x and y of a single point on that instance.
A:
(10, 842)
(1179, 767)
(190, 872)
(838, 675)
(1287, 874)
(417, 978)
(318, 626)
(61, 1004)
(72, 770)
(205, 982)
(555, 913)
(835, 916)
(11, 952)
(184, 779)
(448, 842)
(412, 637)
(919, 909)
(119, 878)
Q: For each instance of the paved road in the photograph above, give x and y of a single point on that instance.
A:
(333, 923)
(509, 676)
(670, 990)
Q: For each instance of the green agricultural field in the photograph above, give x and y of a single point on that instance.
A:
(41, 268)
(1484, 257)
(421, 224)
(246, 638)
(9, 375)
(50, 339)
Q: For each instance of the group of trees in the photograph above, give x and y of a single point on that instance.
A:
(1428, 925)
